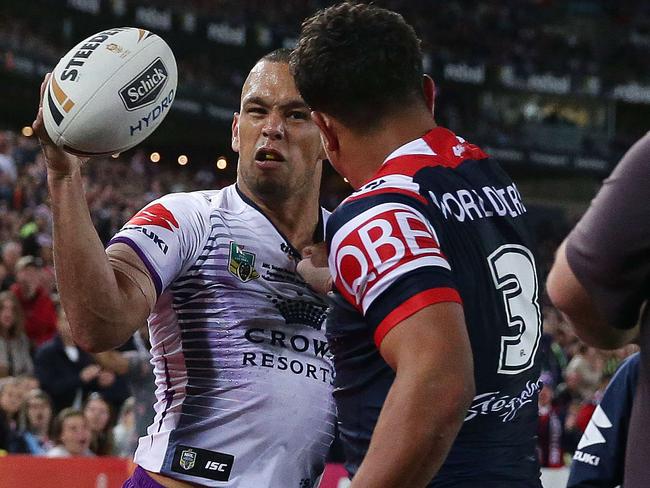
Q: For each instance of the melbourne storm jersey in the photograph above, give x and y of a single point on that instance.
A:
(440, 222)
(243, 371)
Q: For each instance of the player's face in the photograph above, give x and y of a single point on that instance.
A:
(279, 145)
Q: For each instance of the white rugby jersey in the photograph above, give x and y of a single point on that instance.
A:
(242, 366)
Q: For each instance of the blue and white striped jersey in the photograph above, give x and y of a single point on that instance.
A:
(243, 371)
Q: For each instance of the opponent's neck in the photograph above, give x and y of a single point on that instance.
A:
(367, 152)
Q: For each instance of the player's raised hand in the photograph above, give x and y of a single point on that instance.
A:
(313, 268)
(57, 160)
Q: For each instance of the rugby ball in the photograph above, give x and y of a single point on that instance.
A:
(110, 92)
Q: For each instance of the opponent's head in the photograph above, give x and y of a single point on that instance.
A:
(359, 65)
(279, 145)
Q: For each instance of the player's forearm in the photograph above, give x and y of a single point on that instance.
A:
(87, 283)
(417, 426)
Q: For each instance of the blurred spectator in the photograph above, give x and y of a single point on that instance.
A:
(135, 365)
(27, 383)
(98, 414)
(550, 431)
(15, 356)
(37, 305)
(66, 372)
(71, 434)
(554, 356)
(125, 434)
(587, 365)
(11, 252)
(35, 425)
(7, 162)
(568, 392)
(10, 401)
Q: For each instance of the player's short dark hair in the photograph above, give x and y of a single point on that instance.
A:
(358, 63)
(280, 55)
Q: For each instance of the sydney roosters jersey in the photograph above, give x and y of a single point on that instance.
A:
(440, 222)
(242, 366)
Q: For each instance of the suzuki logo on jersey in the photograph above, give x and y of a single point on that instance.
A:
(368, 250)
(155, 214)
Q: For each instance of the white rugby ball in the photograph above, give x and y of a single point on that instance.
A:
(110, 92)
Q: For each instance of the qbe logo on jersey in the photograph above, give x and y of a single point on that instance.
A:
(145, 88)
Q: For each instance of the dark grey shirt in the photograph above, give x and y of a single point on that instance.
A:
(609, 252)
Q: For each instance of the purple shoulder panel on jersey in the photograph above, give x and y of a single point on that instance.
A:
(154, 275)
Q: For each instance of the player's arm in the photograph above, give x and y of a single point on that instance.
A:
(104, 306)
(601, 272)
(425, 407)
(573, 300)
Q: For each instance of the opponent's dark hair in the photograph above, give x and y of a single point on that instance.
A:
(358, 63)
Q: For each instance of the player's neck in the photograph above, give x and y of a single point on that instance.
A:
(369, 151)
(295, 217)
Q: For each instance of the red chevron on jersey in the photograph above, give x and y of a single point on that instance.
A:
(392, 183)
(444, 149)
(155, 214)
(377, 247)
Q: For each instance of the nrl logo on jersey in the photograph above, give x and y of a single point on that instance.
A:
(187, 460)
(241, 264)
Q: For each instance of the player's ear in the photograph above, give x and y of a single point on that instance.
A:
(235, 132)
(429, 88)
(328, 133)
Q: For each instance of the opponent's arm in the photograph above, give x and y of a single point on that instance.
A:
(104, 306)
(573, 300)
(425, 407)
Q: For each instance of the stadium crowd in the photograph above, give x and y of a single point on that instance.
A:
(58, 400)
(581, 39)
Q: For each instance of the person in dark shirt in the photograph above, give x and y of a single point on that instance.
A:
(436, 324)
(69, 374)
(600, 280)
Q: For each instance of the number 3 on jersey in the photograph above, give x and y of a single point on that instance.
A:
(514, 275)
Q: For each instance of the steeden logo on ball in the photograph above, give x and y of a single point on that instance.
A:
(144, 88)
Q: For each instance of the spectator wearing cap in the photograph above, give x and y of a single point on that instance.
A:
(15, 358)
(37, 305)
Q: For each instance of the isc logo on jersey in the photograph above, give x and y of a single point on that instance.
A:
(375, 248)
